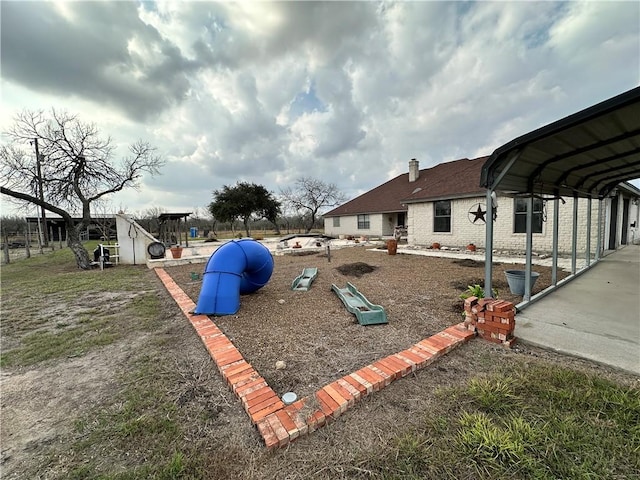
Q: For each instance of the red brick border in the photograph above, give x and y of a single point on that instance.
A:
(279, 424)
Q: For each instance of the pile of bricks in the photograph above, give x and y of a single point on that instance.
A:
(493, 320)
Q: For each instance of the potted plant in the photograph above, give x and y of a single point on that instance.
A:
(176, 251)
(392, 246)
(435, 246)
(471, 247)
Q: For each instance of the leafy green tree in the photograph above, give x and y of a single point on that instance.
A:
(244, 201)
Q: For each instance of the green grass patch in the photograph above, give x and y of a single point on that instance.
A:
(51, 309)
(540, 421)
(41, 346)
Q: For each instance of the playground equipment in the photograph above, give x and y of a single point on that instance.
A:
(237, 267)
(366, 312)
(303, 282)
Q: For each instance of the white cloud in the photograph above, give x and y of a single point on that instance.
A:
(217, 86)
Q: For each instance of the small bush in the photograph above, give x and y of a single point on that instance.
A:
(476, 291)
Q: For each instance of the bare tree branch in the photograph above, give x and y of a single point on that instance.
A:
(311, 196)
(78, 165)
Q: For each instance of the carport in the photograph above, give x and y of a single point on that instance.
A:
(586, 155)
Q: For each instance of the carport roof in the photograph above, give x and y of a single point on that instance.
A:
(585, 154)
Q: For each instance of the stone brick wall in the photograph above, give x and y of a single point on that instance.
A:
(419, 222)
(463, 231)
(349, 226)
(420, 225)
(380, 224)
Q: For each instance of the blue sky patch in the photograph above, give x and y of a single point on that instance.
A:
(306, 102)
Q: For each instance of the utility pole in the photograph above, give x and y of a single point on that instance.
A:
(45, 234)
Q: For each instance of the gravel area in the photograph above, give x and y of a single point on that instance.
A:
(318, 339)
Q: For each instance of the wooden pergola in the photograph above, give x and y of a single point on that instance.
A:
(171, 228)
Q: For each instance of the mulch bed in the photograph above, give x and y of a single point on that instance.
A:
(318, 339)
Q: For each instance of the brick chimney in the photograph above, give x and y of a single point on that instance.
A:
(414, 170)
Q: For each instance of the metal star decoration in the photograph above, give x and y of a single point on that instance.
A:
(477, 214)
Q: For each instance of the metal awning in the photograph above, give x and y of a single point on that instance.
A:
(585, 154)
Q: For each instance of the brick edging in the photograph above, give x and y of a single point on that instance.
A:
(279, 424)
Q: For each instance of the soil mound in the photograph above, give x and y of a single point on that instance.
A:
(468, 262)
(356, 269)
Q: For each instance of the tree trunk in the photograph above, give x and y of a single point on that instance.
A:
(5, 249)
(246, 226)
(311, 222)
(82, 256)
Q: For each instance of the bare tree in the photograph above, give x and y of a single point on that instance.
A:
(310, 196)
(150, 219)
(78, 168)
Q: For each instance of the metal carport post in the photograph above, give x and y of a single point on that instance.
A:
(488, 261)
(584, 155)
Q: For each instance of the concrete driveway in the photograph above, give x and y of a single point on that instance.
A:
(596, 316)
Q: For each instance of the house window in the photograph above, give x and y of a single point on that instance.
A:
(363, 222)
(336, 221)
(442, 216)
(520, 215)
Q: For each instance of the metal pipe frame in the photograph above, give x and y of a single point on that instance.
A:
(529, 248)
(599, 240)
(574, 236)
(588, 240)
(554, 250)
(488, 246)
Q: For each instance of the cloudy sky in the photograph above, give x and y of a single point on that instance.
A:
(344, 92)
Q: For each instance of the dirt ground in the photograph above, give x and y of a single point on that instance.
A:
(310, 331)
(318, 339)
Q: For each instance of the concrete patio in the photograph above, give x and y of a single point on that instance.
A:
(596, 316)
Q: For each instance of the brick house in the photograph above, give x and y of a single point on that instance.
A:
(445, 204)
